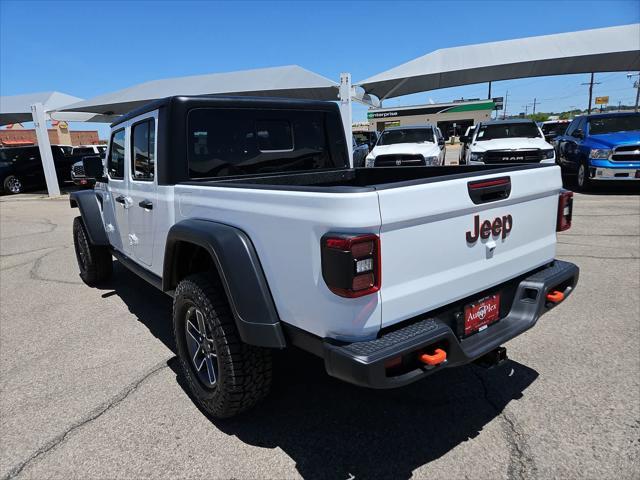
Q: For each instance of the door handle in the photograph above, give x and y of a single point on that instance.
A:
(146, 204)
(124, 200)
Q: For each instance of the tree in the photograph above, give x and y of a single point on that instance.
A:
(538, 117)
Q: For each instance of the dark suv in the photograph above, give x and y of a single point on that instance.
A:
(21, 167)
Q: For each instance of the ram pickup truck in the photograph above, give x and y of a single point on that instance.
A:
(508, 141)
(247, 213)
(601, 147)
(408, 146)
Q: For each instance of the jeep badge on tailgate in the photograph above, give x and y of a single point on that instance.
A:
(497, 226)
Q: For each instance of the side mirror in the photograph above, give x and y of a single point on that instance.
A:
(441, 141)
(103, 155)
(93, 167)
(578, 134)
(464, 139)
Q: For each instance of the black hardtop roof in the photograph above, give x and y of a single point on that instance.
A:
(229, 102)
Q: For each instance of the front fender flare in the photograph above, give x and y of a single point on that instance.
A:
(241, 274)
(87, 202)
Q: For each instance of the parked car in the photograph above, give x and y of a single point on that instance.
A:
(388, 275)
(408, 146)
(359, 153)
(553, 128)
(77, 169)
(21, 167)
(464, 144)
(601, 147)
(83, 150)
(508, 141)
(368, 138)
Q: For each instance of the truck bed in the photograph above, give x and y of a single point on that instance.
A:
(361, 179)
(421, 215)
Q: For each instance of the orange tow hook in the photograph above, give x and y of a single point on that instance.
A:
(436, 358)
(555, 296)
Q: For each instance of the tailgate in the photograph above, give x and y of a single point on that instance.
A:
(427, 261)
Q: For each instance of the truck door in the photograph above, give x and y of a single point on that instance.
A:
(116, 216)
(143, 189)
(571, 143)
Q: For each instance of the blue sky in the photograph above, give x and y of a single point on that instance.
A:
(88, 48)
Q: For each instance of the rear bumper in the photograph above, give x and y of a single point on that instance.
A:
(363, 363)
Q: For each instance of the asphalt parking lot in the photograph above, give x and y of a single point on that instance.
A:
(89, 383)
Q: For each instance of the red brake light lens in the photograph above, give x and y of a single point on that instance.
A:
(565, 210)
(351, 264)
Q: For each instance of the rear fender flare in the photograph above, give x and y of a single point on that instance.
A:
(241, 274)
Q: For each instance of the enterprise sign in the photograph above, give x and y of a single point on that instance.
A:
(406, 112)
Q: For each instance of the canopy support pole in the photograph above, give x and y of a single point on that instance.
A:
(346, 111)
(46, 156)
(489, 94)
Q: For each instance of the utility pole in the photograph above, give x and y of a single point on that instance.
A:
(489, 94)
(504, 109)
(535, 102)
(591, 84)
(526, 109)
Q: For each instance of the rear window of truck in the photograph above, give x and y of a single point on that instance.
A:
(231, 142)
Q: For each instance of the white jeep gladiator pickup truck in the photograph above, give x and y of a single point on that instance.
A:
(247, 213)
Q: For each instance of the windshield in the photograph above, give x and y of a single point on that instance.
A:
(412, 135)
(558, 128)
(361, 138)
(507, 130)
(622, 123)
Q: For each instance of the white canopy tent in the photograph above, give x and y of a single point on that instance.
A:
(38, 108)
(587, 51)
(290, 81)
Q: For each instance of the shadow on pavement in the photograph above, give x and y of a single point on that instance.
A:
(334, 430)
(148, 304)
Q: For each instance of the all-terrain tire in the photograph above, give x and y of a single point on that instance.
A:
(243, 375)
(95, 262)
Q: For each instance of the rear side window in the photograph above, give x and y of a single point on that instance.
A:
(143, 150)
(231, 142)
(274, 135)
(83, 151)
(116, 156)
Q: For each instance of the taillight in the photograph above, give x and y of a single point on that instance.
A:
(351, 264)
(565, 209)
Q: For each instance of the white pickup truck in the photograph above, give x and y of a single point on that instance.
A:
(408, 146)
(247, 213)
(507, 142)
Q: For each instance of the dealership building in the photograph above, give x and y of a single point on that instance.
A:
(15, 135)
(452, 118)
